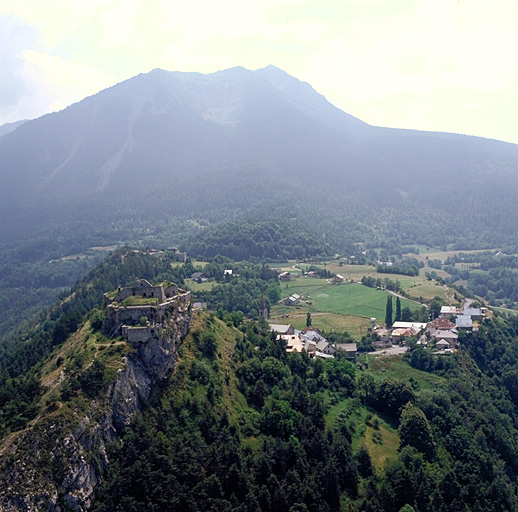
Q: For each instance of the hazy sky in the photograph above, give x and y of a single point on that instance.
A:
(446, 65)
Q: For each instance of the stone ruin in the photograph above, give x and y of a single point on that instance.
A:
(155, 304)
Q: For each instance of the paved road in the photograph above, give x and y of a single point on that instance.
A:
(391, 351)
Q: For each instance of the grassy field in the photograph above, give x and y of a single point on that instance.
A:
(418, 288)
(395, 367)
(193, 286)
(441, 255)
(356, 326)
(382, 443)
(370, 430)
(347, 306)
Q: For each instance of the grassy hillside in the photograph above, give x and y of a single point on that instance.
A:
(241, 425)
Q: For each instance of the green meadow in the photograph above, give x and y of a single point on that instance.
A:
(347, 306)
(416, 287)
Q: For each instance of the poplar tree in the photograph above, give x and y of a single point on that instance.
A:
(398, 309)
(388, 312)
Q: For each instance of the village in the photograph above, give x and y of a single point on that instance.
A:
(442, 335)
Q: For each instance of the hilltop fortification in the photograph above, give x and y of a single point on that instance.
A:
(138, 312)
(152, 319)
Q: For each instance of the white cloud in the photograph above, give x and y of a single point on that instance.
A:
(59, 83)
(58, 73)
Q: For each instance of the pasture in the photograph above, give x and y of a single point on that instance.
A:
(418, 288)
(347, 306)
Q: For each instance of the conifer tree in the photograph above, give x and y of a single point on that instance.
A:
(398, 309)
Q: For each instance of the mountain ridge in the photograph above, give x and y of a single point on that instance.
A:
(190, 144)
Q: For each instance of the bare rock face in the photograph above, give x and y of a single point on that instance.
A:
(56, 464)
(151, 362)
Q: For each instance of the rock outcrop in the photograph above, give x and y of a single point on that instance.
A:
(56, 464)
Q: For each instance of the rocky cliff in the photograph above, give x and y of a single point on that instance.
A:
(56, 463)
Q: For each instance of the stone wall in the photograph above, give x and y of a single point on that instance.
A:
(76, 445)
(143, 290)
(140, 334)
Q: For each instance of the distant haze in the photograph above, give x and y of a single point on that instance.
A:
(187, 145)
(439, 66)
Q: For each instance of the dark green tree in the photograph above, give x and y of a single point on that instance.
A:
(415, 430)
(406, 314)
(308, 319)
(435, 307)
(388, 312)
(398, 309)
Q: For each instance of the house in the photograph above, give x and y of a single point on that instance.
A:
(474, 313)
(440, 324)
(284, 276)
(282, 329)
(227, 272)
(155, 253)
(310, 347)
(381, 331)
(312, 334)
(292, 300)
(398, 334)
(383, 343)
(442, 345)
(447, 311)
(417, 326)
(337, 279)
(199, 305)
(325, 348)
(293, 342)
(449, 336)
(350, 349)
(464, 322)
(199, 277)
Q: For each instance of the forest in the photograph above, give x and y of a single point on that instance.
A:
(490, 275)
(255, 432)
(243, 425)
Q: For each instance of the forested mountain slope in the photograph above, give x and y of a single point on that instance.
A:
(168, 146)
(239, 424)
(170, 159)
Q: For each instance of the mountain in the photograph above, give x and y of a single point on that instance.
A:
(163, 126)
(193, 410)
(9, 127)
(179, 159)
(183, 145)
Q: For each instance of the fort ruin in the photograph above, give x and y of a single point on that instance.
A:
(138, 312)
